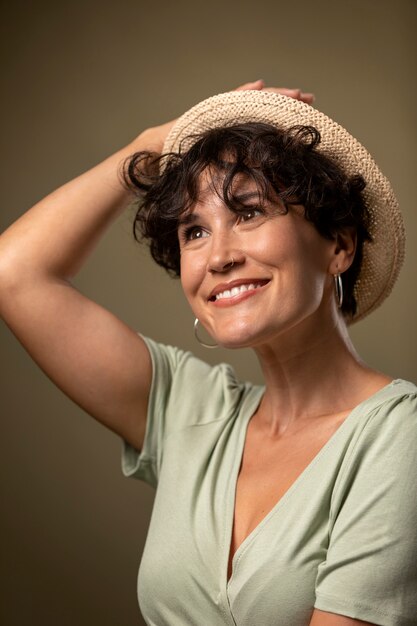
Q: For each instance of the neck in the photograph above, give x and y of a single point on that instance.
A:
(310, 374)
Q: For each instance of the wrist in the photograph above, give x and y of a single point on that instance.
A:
(152, 139)
(149, 140)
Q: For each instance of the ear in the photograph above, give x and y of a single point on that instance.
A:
(343, 251)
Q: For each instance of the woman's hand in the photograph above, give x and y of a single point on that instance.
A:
(297, 94)
(153, 139)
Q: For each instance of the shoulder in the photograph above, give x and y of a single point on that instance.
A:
(185, 393)
(392, 410)
(384, 411)
(372, 532)
(184, 385)
(383, 448)
(170, 362)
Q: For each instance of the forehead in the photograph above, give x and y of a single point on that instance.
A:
(216, 184)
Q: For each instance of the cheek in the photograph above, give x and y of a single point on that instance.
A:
(186, 282)
(310, 274)
(301, 243)
(301, 257)
(191, 275)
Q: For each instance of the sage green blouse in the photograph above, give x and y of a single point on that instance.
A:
(343, 538)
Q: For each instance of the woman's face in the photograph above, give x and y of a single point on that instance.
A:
(279, 277)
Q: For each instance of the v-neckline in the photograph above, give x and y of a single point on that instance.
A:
(250, 410)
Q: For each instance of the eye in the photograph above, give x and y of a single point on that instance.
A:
(250, 213)
(192, 232)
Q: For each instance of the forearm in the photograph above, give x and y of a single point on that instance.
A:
(54, 237)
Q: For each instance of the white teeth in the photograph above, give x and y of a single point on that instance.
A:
(235, 291)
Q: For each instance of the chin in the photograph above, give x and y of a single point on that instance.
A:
(248, 334)
(242, 336)
(235, 345)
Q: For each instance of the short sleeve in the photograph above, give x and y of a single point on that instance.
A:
(370, 571)
(185, 391)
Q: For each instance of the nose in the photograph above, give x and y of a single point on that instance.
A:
(224, 255)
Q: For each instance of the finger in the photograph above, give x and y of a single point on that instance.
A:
(257, 85)
(297, 94)
(285, 91)
(307, 97)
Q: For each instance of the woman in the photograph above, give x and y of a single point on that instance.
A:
(289, 504)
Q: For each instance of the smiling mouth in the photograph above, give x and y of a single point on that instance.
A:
(237, 290)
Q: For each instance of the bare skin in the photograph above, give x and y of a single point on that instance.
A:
(72, 337)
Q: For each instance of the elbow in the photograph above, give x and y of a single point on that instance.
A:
(13, 276)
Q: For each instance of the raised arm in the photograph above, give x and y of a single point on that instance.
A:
(96, 359)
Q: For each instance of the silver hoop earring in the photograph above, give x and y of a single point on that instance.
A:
(338, 286)
(202, 343)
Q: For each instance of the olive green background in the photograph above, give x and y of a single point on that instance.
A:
(79, 80)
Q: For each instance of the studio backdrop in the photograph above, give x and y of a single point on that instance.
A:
(80, 80)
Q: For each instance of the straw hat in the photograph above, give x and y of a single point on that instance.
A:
(383, 257)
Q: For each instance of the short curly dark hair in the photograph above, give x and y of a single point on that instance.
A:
(284, 163)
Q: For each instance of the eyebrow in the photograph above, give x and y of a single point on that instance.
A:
(247, 196)
(189, 218)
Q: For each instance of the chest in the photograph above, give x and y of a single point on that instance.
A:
(268, 469)
(189, 539)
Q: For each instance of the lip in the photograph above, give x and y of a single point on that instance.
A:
(236, 283)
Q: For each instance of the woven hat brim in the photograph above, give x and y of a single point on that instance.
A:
(384, 256)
